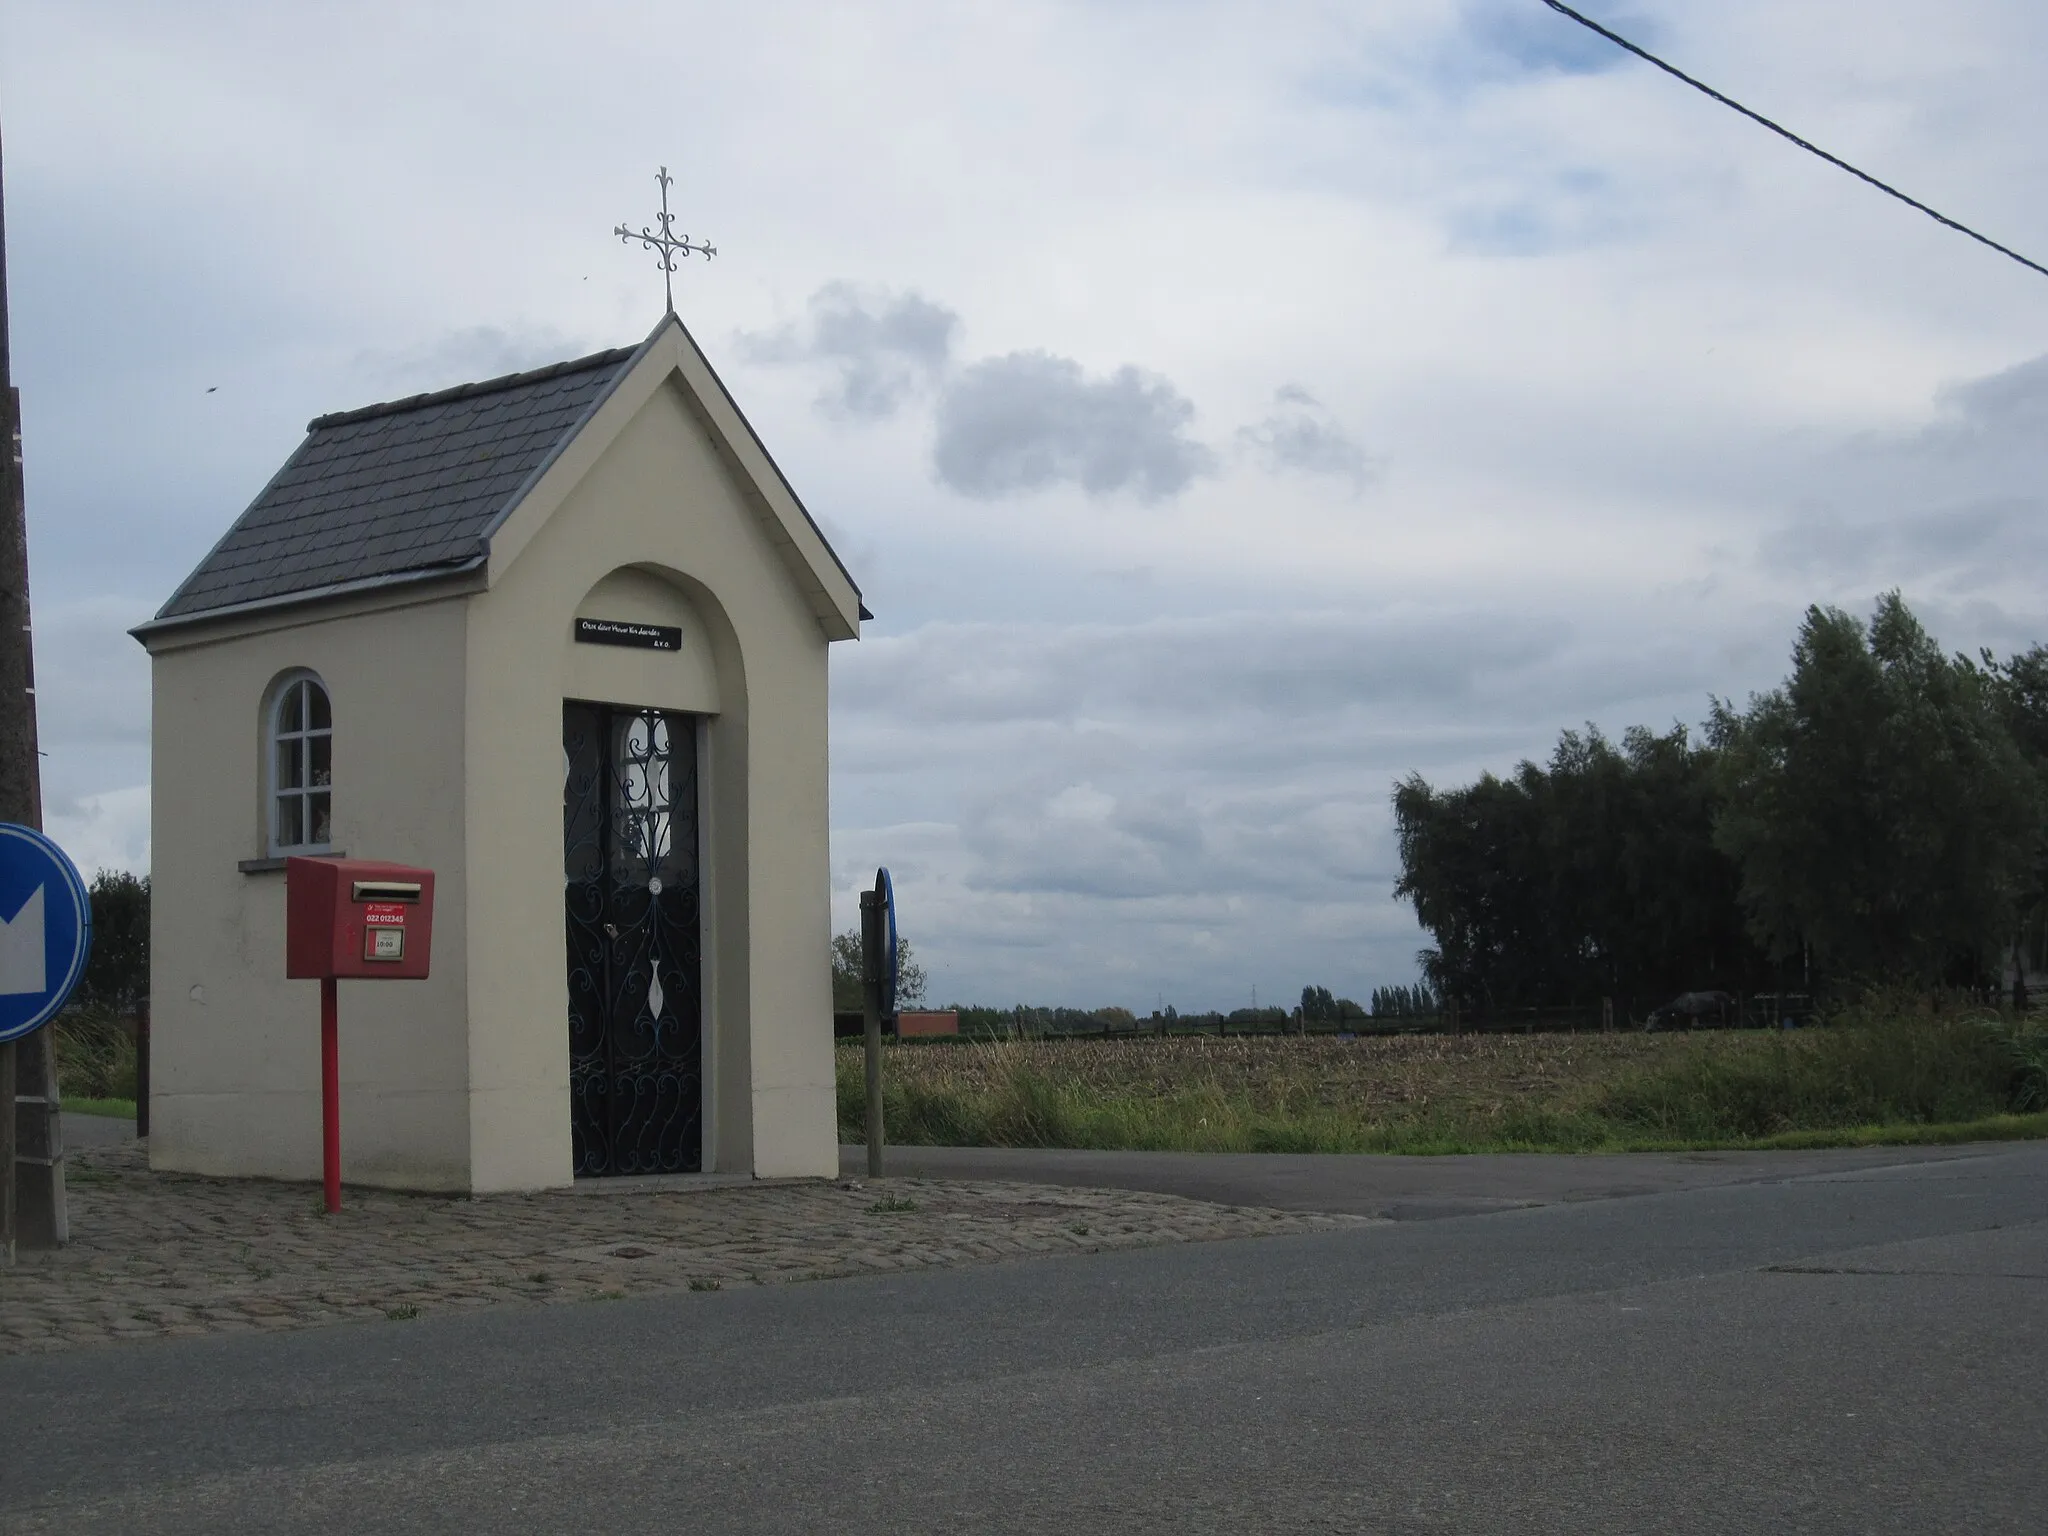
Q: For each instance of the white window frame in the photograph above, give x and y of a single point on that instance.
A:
(292, 687)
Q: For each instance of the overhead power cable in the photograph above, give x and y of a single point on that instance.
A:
(1785, 133)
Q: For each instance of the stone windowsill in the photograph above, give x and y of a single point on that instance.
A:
(273, 866)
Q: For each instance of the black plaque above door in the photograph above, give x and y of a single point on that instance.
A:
(641, 637)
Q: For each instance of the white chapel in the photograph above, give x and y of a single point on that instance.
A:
(561, 638)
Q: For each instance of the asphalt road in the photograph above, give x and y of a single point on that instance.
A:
(1399, 1188)
(1859, 1350)
(96, 1130)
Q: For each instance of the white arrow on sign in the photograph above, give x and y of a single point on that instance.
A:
(21, 950)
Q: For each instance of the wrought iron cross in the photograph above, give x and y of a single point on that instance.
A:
(665, 243)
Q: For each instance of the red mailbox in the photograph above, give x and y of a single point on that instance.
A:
(358, 918)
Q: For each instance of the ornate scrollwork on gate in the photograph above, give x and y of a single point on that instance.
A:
(630, 841)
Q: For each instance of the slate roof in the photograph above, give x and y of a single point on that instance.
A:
(411, 488)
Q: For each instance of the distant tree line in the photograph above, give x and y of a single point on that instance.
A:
(117, 971)
(1404, 1002)
(1881, 817)
(1320, 1010)
(1319, 1006)
(1026, 1020)
(846, 998)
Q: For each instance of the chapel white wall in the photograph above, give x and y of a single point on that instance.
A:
(235, 1081)
(658, 505)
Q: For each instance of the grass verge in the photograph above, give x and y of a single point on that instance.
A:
(113, 1109)
(1876, 1077)
(95, 1056)
(1949, 1134)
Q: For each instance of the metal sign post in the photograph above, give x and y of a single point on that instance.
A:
(871, 1020)
(878, 996)
(7, 1155)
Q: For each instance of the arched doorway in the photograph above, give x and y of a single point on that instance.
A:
(632, 851)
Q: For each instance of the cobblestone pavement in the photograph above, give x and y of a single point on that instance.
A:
(166, 1254)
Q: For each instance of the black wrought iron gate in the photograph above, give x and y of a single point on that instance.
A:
(629, 837)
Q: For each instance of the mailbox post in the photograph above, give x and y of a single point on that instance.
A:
(357, 918)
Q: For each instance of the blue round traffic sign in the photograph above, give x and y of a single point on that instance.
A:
(45, 930)
(887, 889)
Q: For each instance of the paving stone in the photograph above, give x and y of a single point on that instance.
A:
(155, 1255)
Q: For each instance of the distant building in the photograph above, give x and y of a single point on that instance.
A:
(560, 637)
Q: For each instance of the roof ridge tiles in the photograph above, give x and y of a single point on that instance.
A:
(604, 359)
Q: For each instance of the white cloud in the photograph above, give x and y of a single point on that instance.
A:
(104, 831)
(1194, 805)
(1029, 421)
(1300, 434)
(461, 356)
(1646, 379)
(882, 347)
(1956, 509)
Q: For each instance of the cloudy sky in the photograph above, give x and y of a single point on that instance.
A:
(1227, 409)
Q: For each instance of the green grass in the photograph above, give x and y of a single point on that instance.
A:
(116, 1109)
(1879, 1075)
(1948, 1134)
(95, 1055)
(95, 1063)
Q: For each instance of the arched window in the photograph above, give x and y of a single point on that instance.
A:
(301, 768)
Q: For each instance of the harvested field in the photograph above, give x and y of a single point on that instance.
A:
(1389, 1075)
(1444, 1093)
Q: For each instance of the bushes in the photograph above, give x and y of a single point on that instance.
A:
(1884, 1071)
(1194, 1094)
(2023, 1053)
(93, 1039)
(117, 974)
(95, 1054)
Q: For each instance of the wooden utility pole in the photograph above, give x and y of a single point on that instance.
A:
(7, 1221)
(32, 1204)
(21, 792)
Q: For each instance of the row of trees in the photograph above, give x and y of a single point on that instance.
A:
(1320, 1006)
(1320, 1009)
(117, 973)
(1027, 1020)
(1881, 816)
(1404, 1002)
(846, 998)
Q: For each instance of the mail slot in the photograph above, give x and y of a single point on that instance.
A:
(357, 918)
(386, 890)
